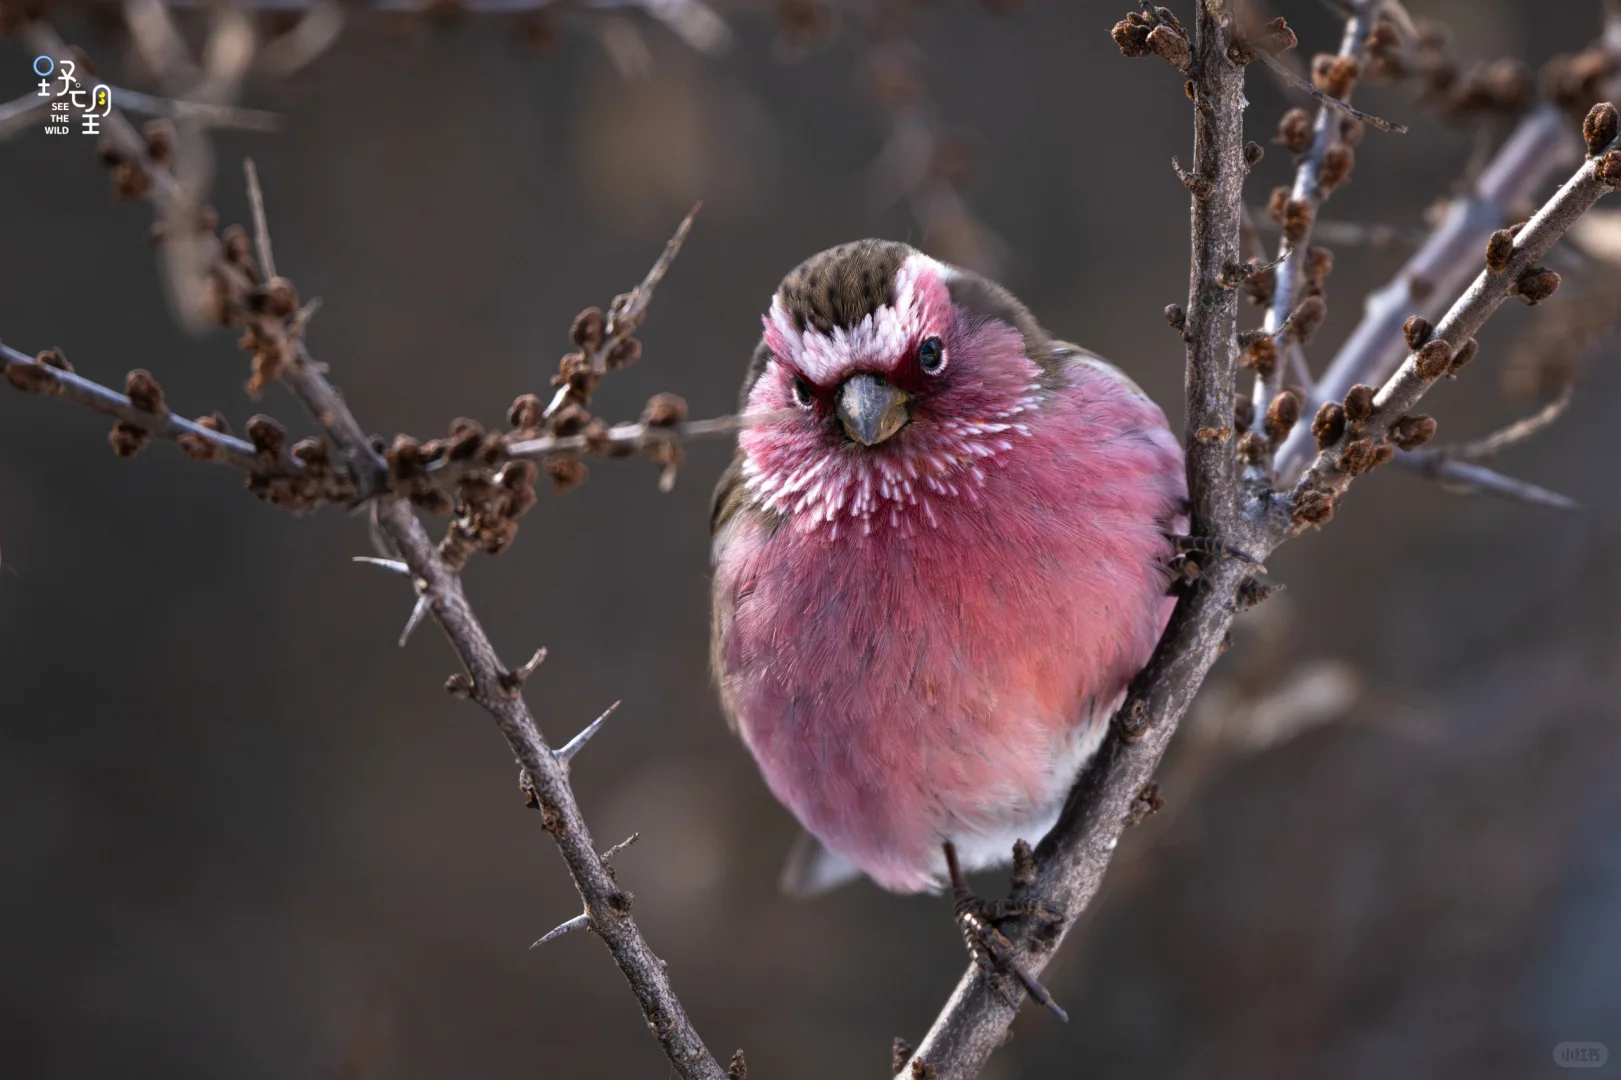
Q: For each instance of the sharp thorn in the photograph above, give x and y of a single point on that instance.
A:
(1204, 545)
(608, 855)
(384, 564)
(566, 753)
(417, 614)
(581, 921)
(534, 662)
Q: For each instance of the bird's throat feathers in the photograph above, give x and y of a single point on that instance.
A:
(964, 421)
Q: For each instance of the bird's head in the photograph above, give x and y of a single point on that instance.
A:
(896, 379)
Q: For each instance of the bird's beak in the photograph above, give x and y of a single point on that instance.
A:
(871, 408)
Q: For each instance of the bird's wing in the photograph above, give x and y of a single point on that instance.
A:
(812, 870)
(1069, 352)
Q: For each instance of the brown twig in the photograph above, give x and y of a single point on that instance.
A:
(1329, 100)
(1073, 857)
(1511, 435)
(1457, 467)
(1511, 259)
(1541, 144)
(1075, 854)
(545, 772)
(1468, 478)
(1306, 198)
(276, 330)
(200, 441)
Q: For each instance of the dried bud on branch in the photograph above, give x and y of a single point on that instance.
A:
(1328, 425)
(664, 410)
(143, 391)
(1359, 403)
(1243, 413)
(1609, 168)
(1295, 130)
(1417, 330)
(1261, 356)
(1281, 416)
(1499, 250)
(267, 435)
(1338, 161)
(1463, 354)
(526, 412)
(1296, 220)
(1536, 285)
(1315, 507)
(1334, 75)
(1307, 319)
(1172, 47)
(1319, 264)
(1434, 359)
(1412, 432)
(1357, 457)
(1600, 127)
(127, 440)
(1131, 35)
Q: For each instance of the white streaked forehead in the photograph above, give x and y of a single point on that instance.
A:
(877, 339)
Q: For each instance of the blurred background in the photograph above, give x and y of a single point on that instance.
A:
(245, 835)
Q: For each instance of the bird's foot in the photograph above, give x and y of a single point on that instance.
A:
(990, 949)
(1205, 545)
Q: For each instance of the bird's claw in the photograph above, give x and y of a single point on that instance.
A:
(1206, 545)
(990, 949)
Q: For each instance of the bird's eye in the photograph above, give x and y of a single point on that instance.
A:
(802, 392)
(931, 355)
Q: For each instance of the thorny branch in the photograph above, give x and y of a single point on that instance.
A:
(274, 323)
(1541, 144)
(1327, 152)
(1073, 857)
(1512, 267)
(1458, 469)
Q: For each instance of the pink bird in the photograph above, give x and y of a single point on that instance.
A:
(936, 573)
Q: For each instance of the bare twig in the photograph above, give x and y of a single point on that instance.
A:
(1075, 854)
(606, 905)
(1513, 434)
(200, 441)
(261, 229)
(546, 775)
(1308, 191)
(276, 329)
(1540, 145)
(627, 312)
(1457, 468)
(1329, 100)
(1467, 478)
(1334, 467)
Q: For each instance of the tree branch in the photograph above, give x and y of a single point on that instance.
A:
(1468, 478)
(268, 310)
(1308, 191)
(1074, 855)
(1509, 262)
(1541, 144)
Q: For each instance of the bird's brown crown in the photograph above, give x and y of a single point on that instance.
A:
(842, 285)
